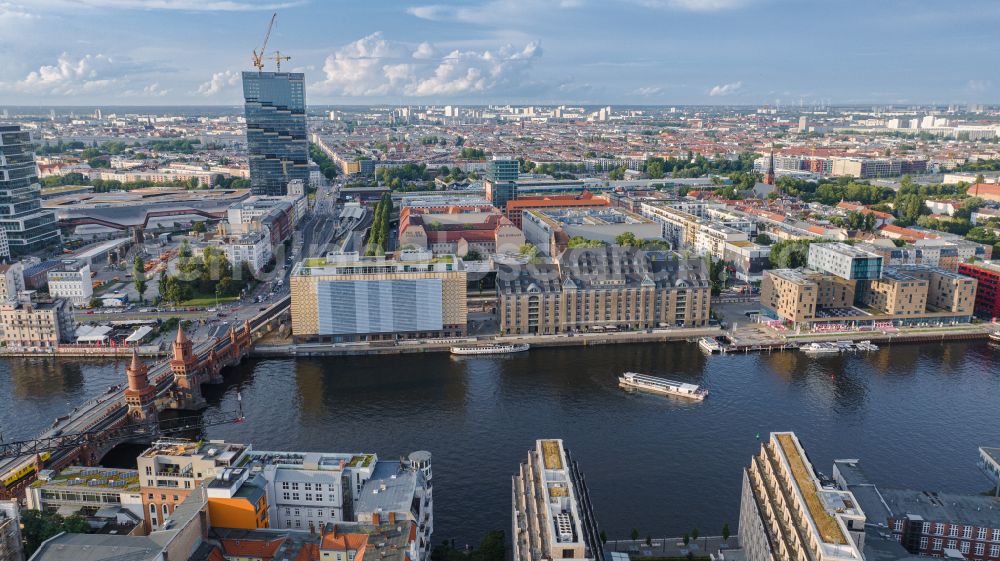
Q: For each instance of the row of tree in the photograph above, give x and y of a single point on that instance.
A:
(378, 237)
(326, 165)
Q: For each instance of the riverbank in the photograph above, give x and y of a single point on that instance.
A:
(754, 337)
(86, 352)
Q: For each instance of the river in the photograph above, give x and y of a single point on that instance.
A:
(913, 414)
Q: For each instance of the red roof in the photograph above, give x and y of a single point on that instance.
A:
(987, 189)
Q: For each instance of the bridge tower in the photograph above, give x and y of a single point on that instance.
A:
(140, 395)
(184, 366)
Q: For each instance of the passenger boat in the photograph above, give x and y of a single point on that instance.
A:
(821, 349)
(662, 386)
(995, 336)
(710, 345)
(490, 349)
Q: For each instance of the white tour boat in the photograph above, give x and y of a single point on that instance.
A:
(662, 386)
(490, 349)
(821, 349)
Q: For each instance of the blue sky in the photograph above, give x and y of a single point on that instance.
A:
(114, 52)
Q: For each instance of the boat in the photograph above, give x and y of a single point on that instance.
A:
(662, 386)
(710, 345)
(995, 336)
(821, 349)
(490, 349)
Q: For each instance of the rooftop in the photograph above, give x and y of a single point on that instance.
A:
(805, 480)
(91, 478)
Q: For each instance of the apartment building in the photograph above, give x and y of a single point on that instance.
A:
(400, 491)
(170, 469)
(254, 249)
(552, 516)
(94, 491)
(346, 297)
(11, 281)
(457, 230)
(36, 325)
(788, 514)
(845, 261)
(795, 295)
(11, 547)
(987, 303)
(72, 281)
(749, 259)
(866, 168)
(237, 498)
(896, 294)
(603, 289)
(928, 524)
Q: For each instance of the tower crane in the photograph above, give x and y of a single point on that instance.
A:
(258, 56)
(277, 58)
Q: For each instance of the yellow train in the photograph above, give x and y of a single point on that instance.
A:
(22, 470)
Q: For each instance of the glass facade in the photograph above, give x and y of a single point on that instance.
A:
(379, 306)
(28, 227)
(278, 148)
(501, 182)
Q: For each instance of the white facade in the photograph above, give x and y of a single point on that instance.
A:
(11, 281)
(253, 249)
(72, 282)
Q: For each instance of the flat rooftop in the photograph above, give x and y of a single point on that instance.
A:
(843, 249)
(977, 510)
(90, 478)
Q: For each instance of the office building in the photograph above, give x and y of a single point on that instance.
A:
(11, 548)
(988, 294)
(603, 289)
(346, 297)
(844, 261)
(26, 225)
(788, 514)
(552, 516)
(30, 325)
(516, 209)
(237, 498)
(278, 148)
(551, 230)
(93, 492)
(501, 181)
(170, 470)
(72, 281)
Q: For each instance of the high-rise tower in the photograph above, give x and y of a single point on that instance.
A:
(278, 148)
(501, 181)
(27, 226)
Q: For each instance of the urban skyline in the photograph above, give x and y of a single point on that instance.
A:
(663, 51)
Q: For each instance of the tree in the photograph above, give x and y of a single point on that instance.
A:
(649, 540)
(40, 526)
(473, 255)
(763, 239)
(198, 227)
(686, 538)
(94, 302)
(617, 173)
(626, 239)
(634, 534)
(604, 537)
(139, 276)
(725, 533)
(694, 533)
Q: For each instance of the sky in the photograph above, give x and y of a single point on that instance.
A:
(643, 52)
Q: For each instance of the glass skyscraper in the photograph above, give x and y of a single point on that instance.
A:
(27, 226)
(501, 181)
(276, 130)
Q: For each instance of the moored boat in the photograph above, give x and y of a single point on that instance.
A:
(821, 349)
(661, 386)
(710, 345)
(995, 336)
(490, 349)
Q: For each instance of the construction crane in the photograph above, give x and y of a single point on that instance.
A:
(258, 57)
(128, 431)
(277, 58)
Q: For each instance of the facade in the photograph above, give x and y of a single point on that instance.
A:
(27, 226)
(90, 490)
(586, 199)
(552, 516)
(11, 281)
(11, 548)
(749, 259)
(350, 298)
(845, 261)
(275, 108)
(786, 513)
(866, 168)
(457, 230)
(551, 229)
(171, 469)
(28, 325)
(71, 281)
(501, 181)
(604, 289)
(237, 498)
(988, 293)
(254, 249)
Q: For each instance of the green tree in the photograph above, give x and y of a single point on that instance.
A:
(604, 537)
(634, 534)
(95, 302)
(725, 533)
(473, 255)
(617, 173)
(649, 540)
(627, 239)
(686, 538)
(39, 526)
(694, 533)
(139, 276)
(198, 227)
(763, 239)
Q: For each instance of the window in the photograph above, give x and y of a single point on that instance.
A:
(996, 535)
(937, 544)
(295, 496)
(926, 529)
(967, 532)
(953, 531)
(286, 496)
(923, 543)
(979, 548)
(284, 485)
(298, 523)
(897, 525)
(295, 486)
(309, 496)
(994, 550)
(964, 548)
(939, 529)
(308, 486)
(951, 544)
(981, 534)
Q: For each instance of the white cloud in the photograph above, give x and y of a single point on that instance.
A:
(69, 76)
(979, 86)
(649, 90)
(694, 5)
(376, 66)
(186, 5)
(493, 12)
(219, 82)
(725, 89)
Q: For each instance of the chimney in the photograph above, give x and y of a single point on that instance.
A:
(375, 519)
(392, 518)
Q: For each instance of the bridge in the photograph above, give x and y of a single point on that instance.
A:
(89, 432)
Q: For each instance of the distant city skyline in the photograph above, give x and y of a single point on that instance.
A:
(637, 52)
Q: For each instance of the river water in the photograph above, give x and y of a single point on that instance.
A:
(914, 415)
